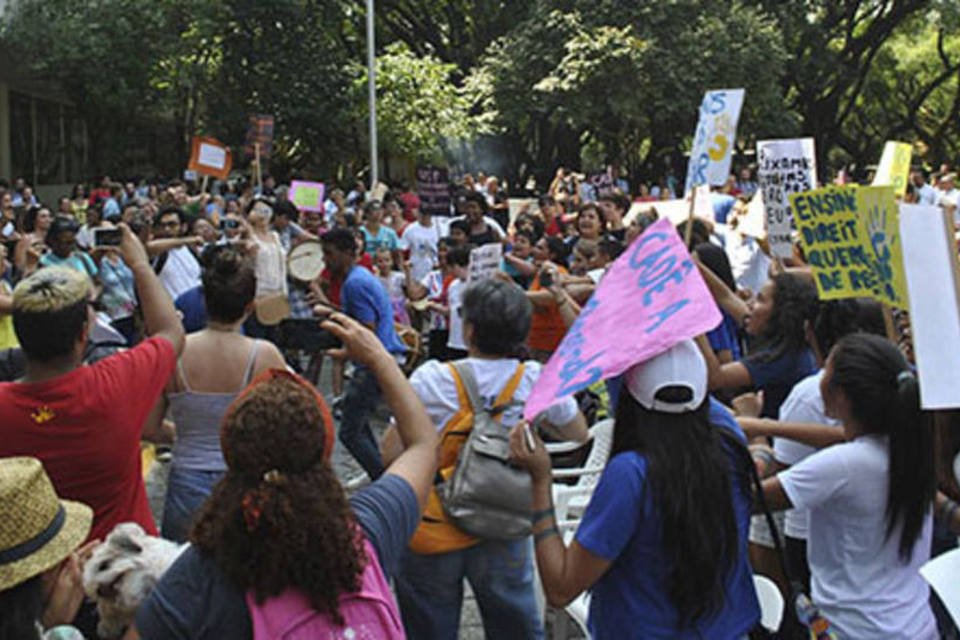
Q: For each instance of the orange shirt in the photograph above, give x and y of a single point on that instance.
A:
(546, 327)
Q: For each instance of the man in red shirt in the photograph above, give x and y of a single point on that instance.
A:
(84, 423)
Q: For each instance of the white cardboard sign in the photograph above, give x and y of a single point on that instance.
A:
(930, 263)
(784, 167)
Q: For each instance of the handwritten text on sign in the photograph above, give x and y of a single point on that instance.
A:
(852, 241)
(714, 138)
(784, 167)
(307, 196)
(484, 262)
(651, 298)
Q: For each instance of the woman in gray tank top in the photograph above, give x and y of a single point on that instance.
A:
(216, 364)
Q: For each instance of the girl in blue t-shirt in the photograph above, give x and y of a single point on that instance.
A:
(776, 321)
(662, 545)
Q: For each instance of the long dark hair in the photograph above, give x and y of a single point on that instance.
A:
(794, 303)
(279, 518)
(689, 470)
(884, 398)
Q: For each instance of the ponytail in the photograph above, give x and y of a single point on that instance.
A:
(913, 480)
(884, 398)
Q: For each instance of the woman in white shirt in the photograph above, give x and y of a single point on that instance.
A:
(870, 498)
(270, 263)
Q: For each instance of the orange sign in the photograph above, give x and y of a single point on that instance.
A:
(210, 157)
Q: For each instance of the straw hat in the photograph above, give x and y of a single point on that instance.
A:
(37, 529)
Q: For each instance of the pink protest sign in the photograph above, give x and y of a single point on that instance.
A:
(652, 298)
(307, 196)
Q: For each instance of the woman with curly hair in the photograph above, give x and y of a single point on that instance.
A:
(278, 545)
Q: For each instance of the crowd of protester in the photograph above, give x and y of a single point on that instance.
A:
(165, 313)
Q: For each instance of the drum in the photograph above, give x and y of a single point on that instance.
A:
(305, 261)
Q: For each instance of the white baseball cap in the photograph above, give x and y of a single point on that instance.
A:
(682, 365)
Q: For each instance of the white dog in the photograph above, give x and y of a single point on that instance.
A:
(122, 572)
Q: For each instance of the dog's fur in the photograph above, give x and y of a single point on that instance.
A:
(122, 572)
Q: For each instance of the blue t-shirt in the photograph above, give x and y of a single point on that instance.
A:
(364, 298)
(722, 204)
(195, 600)
(621, 524)
(386, 238)
(726, 336)
(776, 377)
(77, 260)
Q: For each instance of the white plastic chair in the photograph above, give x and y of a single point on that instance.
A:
(570, 500)
(771, 602)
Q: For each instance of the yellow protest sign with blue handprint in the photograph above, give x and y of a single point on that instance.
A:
(851, 238)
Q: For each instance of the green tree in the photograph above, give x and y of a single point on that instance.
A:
(628, 78)
(420, 112)
(912, 92)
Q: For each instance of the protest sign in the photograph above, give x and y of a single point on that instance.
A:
(210, 158)
(433, 188)
(714, 138)
(651, 298)
(516, 205)
(307, 196)
(894, 169)
(753, 224)
(941, 573)
(259, 132)
(484, 262)
(784, 167)
(851, 238)
(933, 282)
(602, 183)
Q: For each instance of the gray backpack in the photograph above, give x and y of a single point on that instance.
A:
(486, 496)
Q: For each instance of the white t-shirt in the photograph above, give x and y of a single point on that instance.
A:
(180, 272)
(804, 404)
(858, 580)
(422, 243)
(455, 302)
(436, 388)
(927, 195)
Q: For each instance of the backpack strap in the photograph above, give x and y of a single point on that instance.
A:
(464, 372)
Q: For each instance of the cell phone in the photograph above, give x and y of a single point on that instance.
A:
(107, 237)
(546, 279)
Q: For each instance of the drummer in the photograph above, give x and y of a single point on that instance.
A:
(291, 234)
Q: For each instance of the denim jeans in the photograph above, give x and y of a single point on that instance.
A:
(360, 397)
(430, 591)
(187, 490)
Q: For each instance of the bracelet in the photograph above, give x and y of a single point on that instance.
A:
(537, 516)
(549, 532)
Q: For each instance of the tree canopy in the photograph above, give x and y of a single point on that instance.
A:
(514, 87)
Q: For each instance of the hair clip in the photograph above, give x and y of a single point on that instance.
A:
(905, 376)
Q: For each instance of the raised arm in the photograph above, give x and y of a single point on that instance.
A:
(565, 572)
(731, 375)
(418, 462)
(159, 314)
(161, 245)
(725, 298)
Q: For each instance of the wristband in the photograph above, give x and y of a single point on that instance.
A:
(549, 532)
(537, 516)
